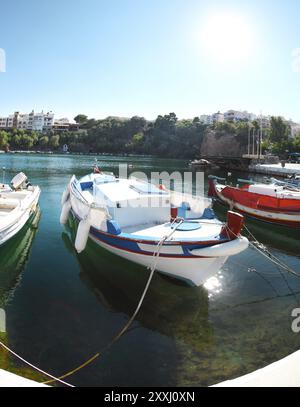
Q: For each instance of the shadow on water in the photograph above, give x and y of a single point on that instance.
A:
(279, 237)
(170, 307)
(13, 258)
(217, 336)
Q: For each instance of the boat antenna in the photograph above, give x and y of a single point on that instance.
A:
(3, 174)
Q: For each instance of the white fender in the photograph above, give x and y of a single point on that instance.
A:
(65, 196)
(65, 212)
(223, 249)
(82, 234)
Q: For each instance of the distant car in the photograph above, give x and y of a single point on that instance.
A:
(294, 157)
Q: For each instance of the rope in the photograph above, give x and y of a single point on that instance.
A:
(34, 367)
(152, 268)
(266, 253)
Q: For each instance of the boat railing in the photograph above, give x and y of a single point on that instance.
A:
(78, 195)
(246, 181)
(289, 184)
(216, 178)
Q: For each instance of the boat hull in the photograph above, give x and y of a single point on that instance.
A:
(177, 261)
(254, 209)
(194, 271)
(10, 231)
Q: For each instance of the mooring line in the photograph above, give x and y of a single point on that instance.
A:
(266, 253)
(35, 367)
(156, 254)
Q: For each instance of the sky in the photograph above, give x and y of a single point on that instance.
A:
(149, 57)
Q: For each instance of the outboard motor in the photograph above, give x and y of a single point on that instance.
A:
(19, 181)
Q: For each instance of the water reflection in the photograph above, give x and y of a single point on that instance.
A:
(240, 322)
(13, 257)
(170, 307)
(274, 236)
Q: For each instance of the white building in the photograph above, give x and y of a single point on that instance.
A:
(3, 122)
(206, 119)
(295, 130)
(237, 116)
(61, 124)
(32, 121)
(230, 115)
(218, 117)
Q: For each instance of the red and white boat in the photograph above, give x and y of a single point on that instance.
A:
(273, 203)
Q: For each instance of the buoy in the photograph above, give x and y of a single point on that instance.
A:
(82, 234)
(65, 195)
(65, 212)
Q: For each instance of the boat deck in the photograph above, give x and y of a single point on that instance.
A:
(204, 230)
(4, 211)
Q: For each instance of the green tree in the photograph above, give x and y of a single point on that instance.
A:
(44, 141)
(4, 140)
(279, 131)
(81, 118)
(54, 141)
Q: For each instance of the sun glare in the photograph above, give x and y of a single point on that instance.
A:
(227, 38)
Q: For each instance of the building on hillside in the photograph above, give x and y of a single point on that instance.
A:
(61, 124)
(237, 116)
(206, 119)
(3, 122)
(218, 117)
(32, 121)
(295, 129)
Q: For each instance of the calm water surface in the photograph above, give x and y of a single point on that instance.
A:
(62, 308)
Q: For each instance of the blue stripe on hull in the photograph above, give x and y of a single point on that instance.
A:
(122, 242)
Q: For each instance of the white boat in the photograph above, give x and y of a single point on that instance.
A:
(18, 201)
(138, 220)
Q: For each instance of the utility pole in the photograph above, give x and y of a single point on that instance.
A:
(249, 130)
(253, 148)
(260, 139)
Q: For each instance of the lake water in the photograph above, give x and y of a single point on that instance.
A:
(62, 308)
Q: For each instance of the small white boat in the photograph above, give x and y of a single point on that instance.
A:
(138, 220)
(18, 201)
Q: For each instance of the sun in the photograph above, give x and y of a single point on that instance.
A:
(228, 37)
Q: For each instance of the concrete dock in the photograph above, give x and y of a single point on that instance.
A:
(8, 379)
(284, 373)
(276, 169)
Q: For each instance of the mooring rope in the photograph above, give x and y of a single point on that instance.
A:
(266, 253)
(152, 268)
(34, 367)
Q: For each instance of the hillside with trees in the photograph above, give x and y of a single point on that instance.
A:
(164, 137)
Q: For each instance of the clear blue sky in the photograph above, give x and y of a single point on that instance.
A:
(149, 57)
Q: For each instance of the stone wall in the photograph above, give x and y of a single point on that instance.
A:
(225, 145)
